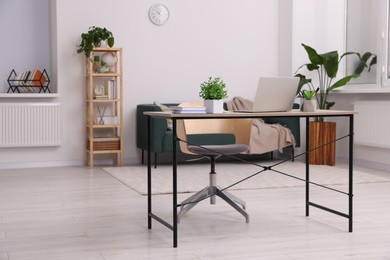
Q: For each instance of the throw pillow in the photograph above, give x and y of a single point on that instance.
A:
(165, 109)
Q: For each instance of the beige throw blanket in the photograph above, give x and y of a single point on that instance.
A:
(264, 137)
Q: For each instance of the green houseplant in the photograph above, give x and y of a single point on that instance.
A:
(213, 88)
(93, 38)
(213, 91)
(326, 65)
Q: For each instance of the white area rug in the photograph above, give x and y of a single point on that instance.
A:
(194, 177)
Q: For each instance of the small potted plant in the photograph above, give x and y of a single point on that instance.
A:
(309, 104)
(96, 62)
(93, 38)
(213, 91)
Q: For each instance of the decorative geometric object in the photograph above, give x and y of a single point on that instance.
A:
(109, 60)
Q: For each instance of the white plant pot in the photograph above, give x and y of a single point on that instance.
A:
(103, 44)
(213, 106)
(309, 105)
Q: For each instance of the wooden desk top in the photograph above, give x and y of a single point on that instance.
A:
(229, 114)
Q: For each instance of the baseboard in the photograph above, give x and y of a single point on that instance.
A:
(69, 163)
(372, 165)
(367, 164)
(136, 160)
(23, 165)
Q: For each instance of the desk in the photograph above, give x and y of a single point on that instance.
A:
(293, 113)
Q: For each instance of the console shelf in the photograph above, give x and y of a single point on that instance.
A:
(104, 109)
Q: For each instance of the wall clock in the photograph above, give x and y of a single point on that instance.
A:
(159, 14)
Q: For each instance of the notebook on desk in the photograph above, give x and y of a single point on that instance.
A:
(274, 94)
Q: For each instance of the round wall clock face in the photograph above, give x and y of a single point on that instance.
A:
(159, 14)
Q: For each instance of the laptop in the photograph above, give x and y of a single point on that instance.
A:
(274, 94)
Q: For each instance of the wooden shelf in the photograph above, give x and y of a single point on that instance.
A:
(104, 100)
(106, 49)
(105, 126)
(103, 109)
(103, 75)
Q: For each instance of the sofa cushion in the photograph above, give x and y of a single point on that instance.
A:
(159, 127)
(165, 108)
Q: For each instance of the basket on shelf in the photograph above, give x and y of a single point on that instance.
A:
(101, 144)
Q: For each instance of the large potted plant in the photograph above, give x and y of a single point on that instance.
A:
(326, 66)
(94, 38)
(213, 91)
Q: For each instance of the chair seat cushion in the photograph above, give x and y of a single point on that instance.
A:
(218, 149)
(199, 139)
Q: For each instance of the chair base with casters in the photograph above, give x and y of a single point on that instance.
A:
(213, 152)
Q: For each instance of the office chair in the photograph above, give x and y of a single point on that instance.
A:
(212, 152)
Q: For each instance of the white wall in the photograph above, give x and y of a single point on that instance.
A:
(236, 40)
(21, 21)
(364, 155)
(321, 25)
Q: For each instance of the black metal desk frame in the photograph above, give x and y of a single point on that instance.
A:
(306, 115)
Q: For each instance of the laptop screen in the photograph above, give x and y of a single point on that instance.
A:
(275, 94)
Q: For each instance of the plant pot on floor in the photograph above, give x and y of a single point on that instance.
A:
(322, 135)
(213, 106)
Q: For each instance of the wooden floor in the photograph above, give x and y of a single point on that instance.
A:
(79, 213)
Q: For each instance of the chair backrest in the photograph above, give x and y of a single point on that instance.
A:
(182, 135)
(241, 128)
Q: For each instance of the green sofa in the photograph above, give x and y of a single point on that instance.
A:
(161, 135)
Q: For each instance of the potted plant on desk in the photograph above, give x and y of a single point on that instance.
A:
(326, 66)
(213, 91)
(309, 104)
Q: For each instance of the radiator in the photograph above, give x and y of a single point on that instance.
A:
(30, 124)
(372, 123)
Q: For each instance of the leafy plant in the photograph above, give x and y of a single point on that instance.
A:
(326, 65)
(96, 59)
(307, 94)
(213, 88)
(93, 38)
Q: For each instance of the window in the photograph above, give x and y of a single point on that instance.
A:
(363, 35)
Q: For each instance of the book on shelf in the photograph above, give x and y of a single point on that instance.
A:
(38, 79)
(188, 110)
(102, 97)
(114, 89)
(17, 79)
(107, 89)
(23, 78)
(110, 89)
(29, 83)
(30, 87)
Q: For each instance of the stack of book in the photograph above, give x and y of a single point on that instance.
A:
(188, 110)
